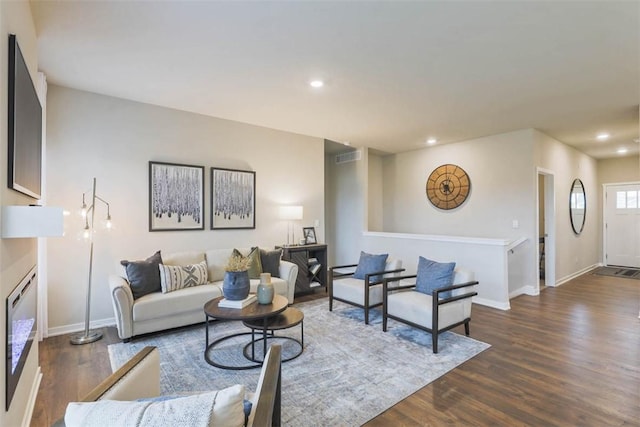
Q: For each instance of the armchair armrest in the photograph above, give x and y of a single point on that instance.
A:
(367, 277)
(436, 296)
(289, 272)
(122, 301)
(333, 273)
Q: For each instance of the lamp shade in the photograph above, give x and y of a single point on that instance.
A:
(291, 213)
(31, 221)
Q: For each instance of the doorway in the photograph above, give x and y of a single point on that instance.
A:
(622, 225)
(545, 256)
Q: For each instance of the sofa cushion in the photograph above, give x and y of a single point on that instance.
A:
(216, 261)
(368, 264)
(255, 266)
(173, 277)
(183, 258)
(144, 276)
(270, 261)
(215, 408)
(188, 300)
(434, 275)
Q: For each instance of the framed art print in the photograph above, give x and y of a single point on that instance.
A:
(233, 199)
(309, 235)
(176, 197)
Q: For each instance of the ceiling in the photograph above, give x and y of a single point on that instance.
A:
(395, 73)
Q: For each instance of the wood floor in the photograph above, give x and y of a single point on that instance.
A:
(569, 357)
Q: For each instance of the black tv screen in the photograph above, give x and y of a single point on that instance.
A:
(25, 126)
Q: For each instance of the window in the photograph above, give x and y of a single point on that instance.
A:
(627, 199)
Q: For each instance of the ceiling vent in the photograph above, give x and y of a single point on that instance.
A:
(351, 156)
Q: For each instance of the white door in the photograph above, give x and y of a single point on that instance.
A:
(622, 225)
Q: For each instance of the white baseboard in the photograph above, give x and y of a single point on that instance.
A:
(524, 290)
(78, 327)
(492, 303)
(33, 394)
(576, 274)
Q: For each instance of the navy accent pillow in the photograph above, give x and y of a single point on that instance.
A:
(271, 261)
(144, 276)
(434, 275)
(368, 264)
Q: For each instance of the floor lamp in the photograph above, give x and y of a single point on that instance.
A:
(291, 213)
(89, 336)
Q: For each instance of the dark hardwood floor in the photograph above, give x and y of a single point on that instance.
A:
(569, 357)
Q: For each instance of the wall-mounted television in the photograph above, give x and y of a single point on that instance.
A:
(25, 127)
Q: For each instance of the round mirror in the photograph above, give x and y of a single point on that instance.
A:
(577, 206)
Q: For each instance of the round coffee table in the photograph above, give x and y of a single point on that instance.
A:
(287, 319)
(258, 313)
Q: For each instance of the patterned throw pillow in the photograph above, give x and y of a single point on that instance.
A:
(255, 267)
(434, 275)
(368, 264)
(143, 276)
(174, 277)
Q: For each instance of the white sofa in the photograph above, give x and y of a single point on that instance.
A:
(159, 311)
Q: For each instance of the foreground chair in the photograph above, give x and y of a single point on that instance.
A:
(431, 313)
(137, 382)
(367, 293)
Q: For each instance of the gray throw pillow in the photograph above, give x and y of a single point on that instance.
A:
(271, 261)
(368, 264)
(144, 276)
(434, 275)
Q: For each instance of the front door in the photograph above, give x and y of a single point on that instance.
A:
(622, 226)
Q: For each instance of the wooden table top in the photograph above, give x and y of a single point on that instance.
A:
(287, 319)
(250, 312)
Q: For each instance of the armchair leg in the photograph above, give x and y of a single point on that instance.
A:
(330, 303)
(434, 341)
(466, 328)
(366, 315)
(384, 321)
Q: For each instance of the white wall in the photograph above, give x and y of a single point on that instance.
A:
(91, 135)
(574, 253)
(499, 168)
(17, 256)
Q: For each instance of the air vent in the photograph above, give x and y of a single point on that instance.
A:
(351, 156)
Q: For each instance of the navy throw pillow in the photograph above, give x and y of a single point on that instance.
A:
(434, 275)
(144, 276)
(271, 261)
(368, 264)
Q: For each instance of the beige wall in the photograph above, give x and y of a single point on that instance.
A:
(619, 169)
(17, 256)
(574, 253)
(91, 135)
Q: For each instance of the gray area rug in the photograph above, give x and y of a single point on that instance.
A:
(348, 373)
(627, 273)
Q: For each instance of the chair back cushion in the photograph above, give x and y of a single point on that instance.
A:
(434, 275)
(370, 263)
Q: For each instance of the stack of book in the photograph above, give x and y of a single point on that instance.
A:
(226, 303)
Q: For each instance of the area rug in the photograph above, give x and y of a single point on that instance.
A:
(627, 273)
(348, 373)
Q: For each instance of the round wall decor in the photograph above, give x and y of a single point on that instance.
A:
(448, 186)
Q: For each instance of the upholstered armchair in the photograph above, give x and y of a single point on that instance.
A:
(361, 284)
(443, 309)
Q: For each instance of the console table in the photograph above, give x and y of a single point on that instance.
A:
(312, 266)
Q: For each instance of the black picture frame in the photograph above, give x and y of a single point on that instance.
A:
(176, 197)
(309, 234)
(233, 199)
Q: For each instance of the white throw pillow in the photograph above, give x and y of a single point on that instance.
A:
(174, 277)
(215, 408)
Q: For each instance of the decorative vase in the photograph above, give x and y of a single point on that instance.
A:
(236, 285)
(265, 289)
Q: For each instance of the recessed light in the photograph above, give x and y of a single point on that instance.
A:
(431, 141)
(622, 150)
(346, 143)
(603, 136)
(316, 83)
